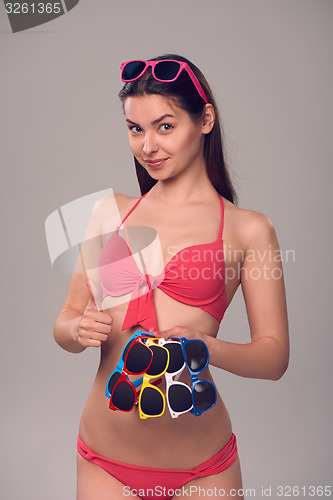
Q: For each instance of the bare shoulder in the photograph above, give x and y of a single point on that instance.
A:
(248, 227)
(125, 202)
(109, 210)
(121, 200)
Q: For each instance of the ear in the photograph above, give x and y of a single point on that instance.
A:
(208, 119)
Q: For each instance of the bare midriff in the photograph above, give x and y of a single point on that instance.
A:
(159, 442)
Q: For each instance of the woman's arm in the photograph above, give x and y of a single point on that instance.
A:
(66, 327)
(267, 355)
(81, 323)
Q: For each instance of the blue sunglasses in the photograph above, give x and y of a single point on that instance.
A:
(196, 358)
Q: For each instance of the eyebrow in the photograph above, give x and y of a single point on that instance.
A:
(167, 115)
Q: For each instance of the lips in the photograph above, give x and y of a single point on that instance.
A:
(156, 163)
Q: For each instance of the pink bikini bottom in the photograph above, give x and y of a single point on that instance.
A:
(151, 483)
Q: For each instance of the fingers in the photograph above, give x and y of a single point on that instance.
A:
(93, 330)
(91, 342)
(98, 322)
(180, 331)
(95, 325)
(176, 331)
(155, 332)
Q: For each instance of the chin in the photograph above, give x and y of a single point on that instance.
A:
(158, 174)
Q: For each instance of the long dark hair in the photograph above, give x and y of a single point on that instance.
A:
(184, 94)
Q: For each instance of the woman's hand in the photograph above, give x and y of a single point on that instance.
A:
(180, 331)
(95, 325)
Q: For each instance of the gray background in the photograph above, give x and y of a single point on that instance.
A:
(63, 137)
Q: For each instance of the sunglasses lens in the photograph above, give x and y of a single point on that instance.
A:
(204, 395)
(123, 396)
(138, 359)
(127, 349)
(152, 402)
(160, 359)
(166, 70)
(112, 382)
(133, 70)
(196, 355)
(180, 398)
(176, 360)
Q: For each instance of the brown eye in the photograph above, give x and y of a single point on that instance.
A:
(135, 129)
(166, 126)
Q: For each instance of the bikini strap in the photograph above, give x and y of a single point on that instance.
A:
(222, 217)
(131, 210)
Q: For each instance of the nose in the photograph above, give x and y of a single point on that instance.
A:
(150, 146)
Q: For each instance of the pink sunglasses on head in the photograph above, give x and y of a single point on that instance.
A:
(164, 70)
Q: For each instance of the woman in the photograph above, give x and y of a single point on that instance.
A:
(188, 199)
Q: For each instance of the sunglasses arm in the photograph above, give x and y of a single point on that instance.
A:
(137, 382)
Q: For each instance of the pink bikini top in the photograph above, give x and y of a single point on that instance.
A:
(195, 275)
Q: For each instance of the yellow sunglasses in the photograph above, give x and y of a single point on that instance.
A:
(151, 399)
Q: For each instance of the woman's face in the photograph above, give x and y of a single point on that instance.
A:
(163, 139)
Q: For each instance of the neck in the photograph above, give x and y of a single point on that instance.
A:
(193, 185)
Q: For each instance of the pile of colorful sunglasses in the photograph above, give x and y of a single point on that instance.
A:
(152, 358)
